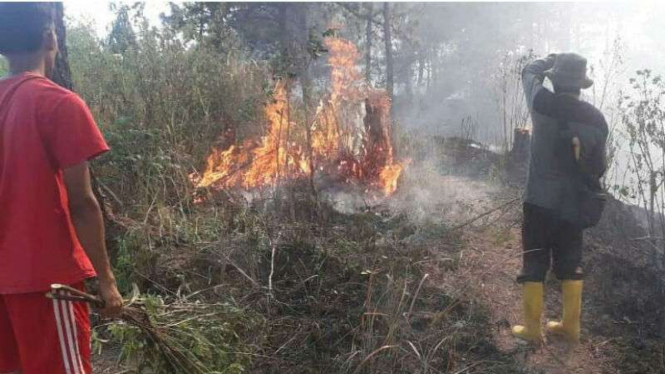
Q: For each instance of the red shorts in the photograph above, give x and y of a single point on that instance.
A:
(39, 335)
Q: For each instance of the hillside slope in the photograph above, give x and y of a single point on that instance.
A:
(421, 282)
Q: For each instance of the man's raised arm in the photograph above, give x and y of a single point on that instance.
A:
(533, 76)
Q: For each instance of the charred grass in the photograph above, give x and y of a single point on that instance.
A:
(626, 291)
(624, 294)
(309, 290)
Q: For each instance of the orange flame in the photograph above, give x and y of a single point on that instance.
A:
(252, 167)
(220, 166)
(276, 157)
(347, 87)
(344, 139)
(347, 81)
(389, 177)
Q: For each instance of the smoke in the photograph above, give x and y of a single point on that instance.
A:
(428, 196)
(431, 191)
(471, 48)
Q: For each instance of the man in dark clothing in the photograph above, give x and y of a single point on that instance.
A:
(568, 134)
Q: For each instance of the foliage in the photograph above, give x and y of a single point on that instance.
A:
(644, 121)
(513, 112)
(161, 106)
(607, 73)
(207, 334)
(122, 36)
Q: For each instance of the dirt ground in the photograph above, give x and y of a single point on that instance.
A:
(488, 266)
(485, 270)
(107, 363)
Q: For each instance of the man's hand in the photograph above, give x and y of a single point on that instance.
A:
(108, 291)
(550, 60)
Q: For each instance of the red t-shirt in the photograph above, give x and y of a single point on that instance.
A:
(43, 129)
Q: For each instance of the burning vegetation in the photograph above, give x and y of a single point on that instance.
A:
(285, 281)
(349, 139)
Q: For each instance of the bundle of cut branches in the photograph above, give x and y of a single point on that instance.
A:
(179, 338)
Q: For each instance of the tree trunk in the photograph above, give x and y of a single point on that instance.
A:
(518, 158)
(368, 42)
(429, 71)
(521, 146)
(283, 32)
(408, 80)
(421, 67)
(389, 50)
(306, 87)
(433, 66)
(377, 139)
(62, 75)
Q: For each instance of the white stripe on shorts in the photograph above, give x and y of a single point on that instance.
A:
(66, 319)
(61, 336)
(76, 340)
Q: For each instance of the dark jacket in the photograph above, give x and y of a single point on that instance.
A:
(551, 183)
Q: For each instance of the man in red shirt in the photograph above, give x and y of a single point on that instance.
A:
(51, 228)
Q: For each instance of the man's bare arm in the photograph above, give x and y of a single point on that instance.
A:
(89, 224)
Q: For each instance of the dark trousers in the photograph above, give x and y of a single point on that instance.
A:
(548, 240)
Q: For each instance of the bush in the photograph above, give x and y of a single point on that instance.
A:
(161, 107)
(643, 115)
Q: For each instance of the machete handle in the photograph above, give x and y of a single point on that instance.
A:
(64, 292)
(577, 148)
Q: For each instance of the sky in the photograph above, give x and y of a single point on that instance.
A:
(641, 30)
(99, 13)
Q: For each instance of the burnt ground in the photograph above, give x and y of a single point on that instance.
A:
(623, 319)
(626, 291)
(402, 288)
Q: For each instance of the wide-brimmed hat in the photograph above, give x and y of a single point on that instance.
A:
(569, 71)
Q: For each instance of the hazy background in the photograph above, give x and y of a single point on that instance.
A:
(456, 65)
(468, 43)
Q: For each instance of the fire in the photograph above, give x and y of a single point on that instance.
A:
(220, 166)
(276, 156)
(350, 136)
(252, 167)
(330, 135)
(347, 81)
(389, 176)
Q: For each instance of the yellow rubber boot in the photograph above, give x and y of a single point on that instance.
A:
(569, 327)
(533, 309)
